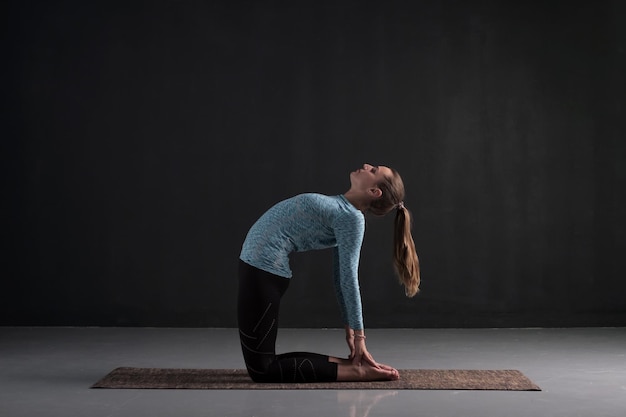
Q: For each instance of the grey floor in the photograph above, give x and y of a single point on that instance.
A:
(48, 371)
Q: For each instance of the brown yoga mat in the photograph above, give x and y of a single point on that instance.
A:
(237, 379)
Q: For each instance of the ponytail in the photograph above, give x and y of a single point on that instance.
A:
(405, 257)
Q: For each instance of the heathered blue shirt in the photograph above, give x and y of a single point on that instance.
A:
(307, 222)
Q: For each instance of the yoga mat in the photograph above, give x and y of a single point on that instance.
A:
(238, 379)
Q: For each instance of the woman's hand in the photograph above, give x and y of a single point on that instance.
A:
(361, 354)
(358, 350)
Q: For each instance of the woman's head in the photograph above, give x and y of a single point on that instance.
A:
(375, 189)
(392, 193)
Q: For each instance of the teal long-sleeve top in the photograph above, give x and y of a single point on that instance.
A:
(309, 222)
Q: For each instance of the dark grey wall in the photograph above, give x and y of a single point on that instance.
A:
(141, 141)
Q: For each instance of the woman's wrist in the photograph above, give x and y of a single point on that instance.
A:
(356, 334)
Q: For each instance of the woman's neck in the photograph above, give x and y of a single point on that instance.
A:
(358, 200)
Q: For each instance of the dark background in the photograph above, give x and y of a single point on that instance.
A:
(142, 139)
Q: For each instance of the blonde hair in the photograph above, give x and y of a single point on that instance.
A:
(405, 259)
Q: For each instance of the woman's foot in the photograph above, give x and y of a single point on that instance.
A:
(346, 371)
(393, 370)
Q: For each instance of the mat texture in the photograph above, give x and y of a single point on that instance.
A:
(237, 379)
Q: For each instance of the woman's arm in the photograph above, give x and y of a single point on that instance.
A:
(349, 231)
(351, 334)
(338, 292)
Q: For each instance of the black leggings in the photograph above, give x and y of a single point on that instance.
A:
(257, 309)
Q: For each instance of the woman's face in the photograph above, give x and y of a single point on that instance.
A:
(369, 176)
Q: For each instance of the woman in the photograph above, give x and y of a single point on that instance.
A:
(315, 221)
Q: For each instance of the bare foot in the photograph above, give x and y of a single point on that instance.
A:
(395, 375)
(392, 369)
(366, 372)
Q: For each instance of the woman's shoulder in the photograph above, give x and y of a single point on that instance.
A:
(332, 206)
(335, 209)
(316, 199)
(336, 203)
